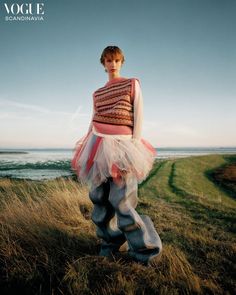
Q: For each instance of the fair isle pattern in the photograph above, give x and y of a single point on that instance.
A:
(114, 103)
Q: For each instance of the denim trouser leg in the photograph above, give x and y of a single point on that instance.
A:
(139, 230)
(112, 201)
(104, 217)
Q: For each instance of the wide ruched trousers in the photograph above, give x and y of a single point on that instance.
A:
(117, 221)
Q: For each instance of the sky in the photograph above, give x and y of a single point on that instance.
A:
(182, 51)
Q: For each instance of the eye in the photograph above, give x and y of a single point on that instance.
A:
(117, 60)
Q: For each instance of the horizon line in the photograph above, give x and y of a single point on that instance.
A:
(69, 148)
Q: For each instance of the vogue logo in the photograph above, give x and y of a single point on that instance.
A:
(24, 11)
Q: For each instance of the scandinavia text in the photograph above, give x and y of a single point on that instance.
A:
(24, 18)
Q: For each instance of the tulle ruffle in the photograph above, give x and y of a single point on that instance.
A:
(98, 157)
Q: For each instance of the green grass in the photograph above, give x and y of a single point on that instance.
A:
(48, 243)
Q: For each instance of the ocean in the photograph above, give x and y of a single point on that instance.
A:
(39, 164)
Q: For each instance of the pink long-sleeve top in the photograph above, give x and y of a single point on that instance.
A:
(123, 129)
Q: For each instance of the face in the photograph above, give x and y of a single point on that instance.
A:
(113, 65)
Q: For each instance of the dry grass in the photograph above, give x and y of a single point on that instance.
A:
(41, 228)
(100, 276)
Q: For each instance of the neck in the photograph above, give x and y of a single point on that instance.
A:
(113, 76)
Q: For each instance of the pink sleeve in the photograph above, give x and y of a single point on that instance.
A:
(138, 111)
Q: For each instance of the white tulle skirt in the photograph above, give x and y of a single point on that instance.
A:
(99, 156)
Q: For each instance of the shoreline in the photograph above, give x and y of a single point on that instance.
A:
(231, 161)
(13, 152)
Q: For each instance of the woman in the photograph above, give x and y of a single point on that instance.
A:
(112, 159)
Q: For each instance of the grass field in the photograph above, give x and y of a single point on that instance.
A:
(48, 243)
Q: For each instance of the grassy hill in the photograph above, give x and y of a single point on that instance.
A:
(48, 243)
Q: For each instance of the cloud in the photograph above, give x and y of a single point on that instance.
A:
(23, 111)
(36, 108)
(13, 115)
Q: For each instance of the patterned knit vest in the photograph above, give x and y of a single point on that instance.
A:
(114, 103)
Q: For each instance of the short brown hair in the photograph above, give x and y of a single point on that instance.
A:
(112, 51)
